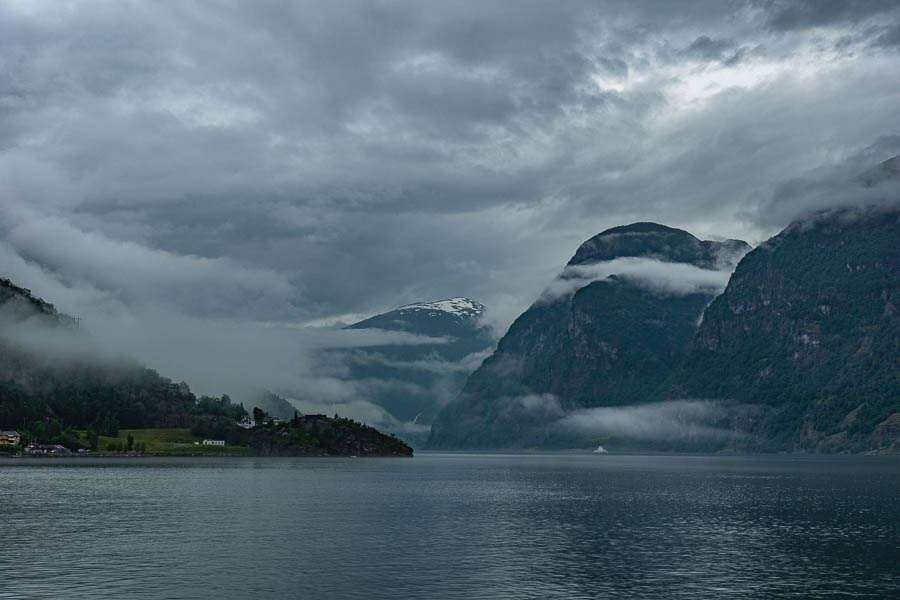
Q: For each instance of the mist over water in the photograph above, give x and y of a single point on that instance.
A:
(673, 420)
(452, 526)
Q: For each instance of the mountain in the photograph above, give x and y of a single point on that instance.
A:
(412, 380)
(456, 317)
(651, 240)
(52, 383)
(885, 171)
(19, 305)
(799, 352)
(609, 331)
(808, 328)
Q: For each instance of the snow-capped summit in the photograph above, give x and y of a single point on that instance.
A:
(456, 317)
(460, 307)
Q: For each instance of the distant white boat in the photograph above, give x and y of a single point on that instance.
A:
(601, 450)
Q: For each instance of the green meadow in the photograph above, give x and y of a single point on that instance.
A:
(162, 441)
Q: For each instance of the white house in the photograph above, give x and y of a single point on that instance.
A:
(213, 442)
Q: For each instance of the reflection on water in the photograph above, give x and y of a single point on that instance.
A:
(452, 526)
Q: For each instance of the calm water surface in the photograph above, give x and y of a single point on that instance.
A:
(451, 526)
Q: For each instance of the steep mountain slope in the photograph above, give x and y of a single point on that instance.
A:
(18, 304)
(50, 381)
(809, 327)
(411, 381)
(607, 332)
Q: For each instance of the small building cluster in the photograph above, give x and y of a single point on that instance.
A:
(213, 442)
(10, 438)
(46, 449)
(248, 423)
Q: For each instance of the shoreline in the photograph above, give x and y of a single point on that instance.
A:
(194, 455)
(486, 453)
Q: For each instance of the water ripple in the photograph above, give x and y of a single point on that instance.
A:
(448, 526)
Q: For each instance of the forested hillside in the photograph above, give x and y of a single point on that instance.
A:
(46, 394)
(809, 327)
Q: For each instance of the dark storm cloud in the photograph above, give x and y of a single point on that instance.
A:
(290, 162)
(706, 48)
(854, 182)
(888, 37)
(789, 15)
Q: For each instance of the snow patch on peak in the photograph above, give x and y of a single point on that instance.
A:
(460, 307)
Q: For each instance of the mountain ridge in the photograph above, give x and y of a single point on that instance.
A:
(580, 348)
(652, 240)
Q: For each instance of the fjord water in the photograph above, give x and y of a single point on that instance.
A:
(452, 526)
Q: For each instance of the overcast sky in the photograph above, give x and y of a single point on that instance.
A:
(291, 162)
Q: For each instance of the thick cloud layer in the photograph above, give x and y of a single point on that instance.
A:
(249, 166)
(676, 420)
(664, 278)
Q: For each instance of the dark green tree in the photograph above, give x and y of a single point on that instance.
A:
(93, 437)
(109, 426)
(258, 415)
(68, 438)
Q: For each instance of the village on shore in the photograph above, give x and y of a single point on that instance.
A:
(304, 435)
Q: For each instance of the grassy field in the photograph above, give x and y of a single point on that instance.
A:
(163, 441)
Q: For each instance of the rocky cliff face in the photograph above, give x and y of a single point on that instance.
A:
(607, 332)
(808, 326)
